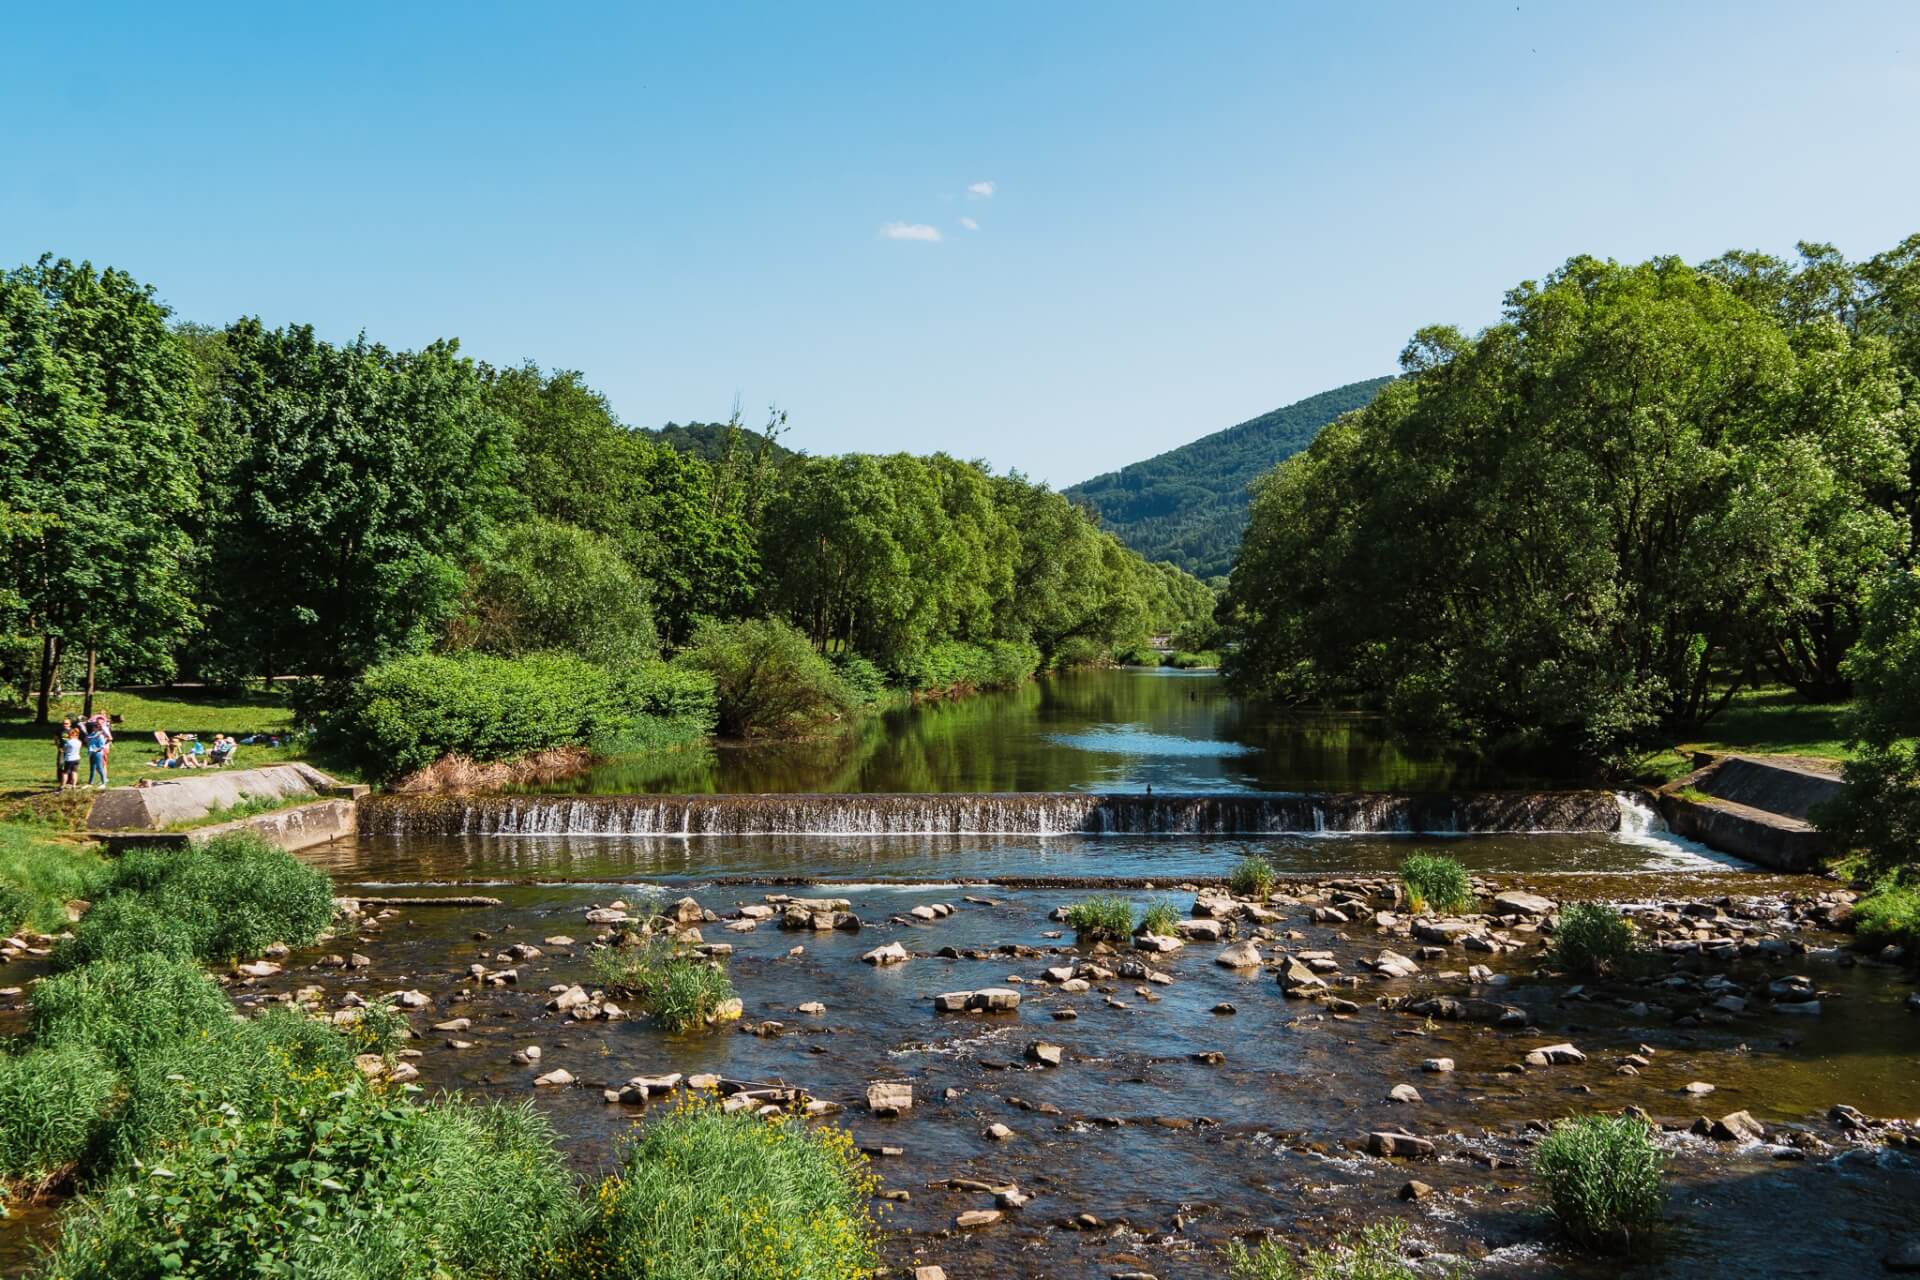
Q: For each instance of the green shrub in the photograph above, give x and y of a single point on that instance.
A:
(1602, 1178)
(403, 715)
(767, 677)
(558, 588)
(661, 978)
(128, 1009)
(706, 1196)
(1890, 914)
(1102, 919)
(495, 1192)
(1436, 882)
(1182, 660)
(1592, 940)
(1373, 1253)
(1138, 655)
(865, 678)
(16, 907)
(52, 1103)
(230, 897)
(1160, 918)
(40, 874)
(1252, 877)
(956, 666)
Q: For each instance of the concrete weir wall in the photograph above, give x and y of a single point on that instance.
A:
(1758, 808)
(138, 815)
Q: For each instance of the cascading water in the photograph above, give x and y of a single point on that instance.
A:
(1033, 813)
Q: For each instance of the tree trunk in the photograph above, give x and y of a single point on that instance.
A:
(49, 658)
(93, 659)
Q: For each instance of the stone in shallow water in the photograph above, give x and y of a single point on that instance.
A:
(890, 1097)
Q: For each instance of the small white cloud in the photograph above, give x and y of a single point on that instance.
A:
(982, 190)
(969, 224)
(910, 231)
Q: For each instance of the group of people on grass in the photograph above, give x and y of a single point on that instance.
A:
(92, 737)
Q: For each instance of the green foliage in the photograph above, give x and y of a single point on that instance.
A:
(561, 589)
(16, 906)
(357, 484)
(1189, 505)
(660, 977)
(1373, 1253)
(1511, 544)
(1252, 877)
(1137, 655)
(707, 1196)
(1890, 914)
(494, 1190)
(1160, 918)
(128, 1009)
(1103, 919)
(767, 678)
(1603, 1180)
(52, 1102)
(228, 898)
(864, 678)
(98, 475)
(406, 714)
(955, 666)
(1436, 882)
(1181, 660)
(1593, 940)
(1878, 812)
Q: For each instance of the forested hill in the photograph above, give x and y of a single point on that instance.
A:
(708, 441)
(1189, 505)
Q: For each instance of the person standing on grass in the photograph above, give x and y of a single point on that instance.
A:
(70, 760)
(60, 752)
(97, 756)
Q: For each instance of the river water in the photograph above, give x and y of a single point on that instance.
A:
(1174, 1125)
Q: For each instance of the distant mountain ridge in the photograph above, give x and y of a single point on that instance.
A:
(1189, 505)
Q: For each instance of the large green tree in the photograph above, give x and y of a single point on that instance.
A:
(364, 482)
(98, 470)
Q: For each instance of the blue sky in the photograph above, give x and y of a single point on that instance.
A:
(1186, 214)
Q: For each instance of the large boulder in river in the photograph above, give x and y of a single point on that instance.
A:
(1456, 1009)
(1516, 903)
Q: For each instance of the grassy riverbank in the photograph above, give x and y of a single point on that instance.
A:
(1764, 721)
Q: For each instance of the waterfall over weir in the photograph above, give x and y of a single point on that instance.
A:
(1025, 813)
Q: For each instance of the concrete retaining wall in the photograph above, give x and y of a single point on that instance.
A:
(194, 795)
(1757, 809)
(296, 828)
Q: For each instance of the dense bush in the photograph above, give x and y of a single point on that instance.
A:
(702, 1195)
(52, 1102)
(403, 715)
(230, 897)
(556, 588)
(1890, 914)
(953, 665)
(865, 678)
(1138, 655)
(1436, 882)
(128, 1009)
(1373, 1253)
(16, 906)
(1602, 1177)
(767, 677)
(1252, 877)
(40, 874)
(1592, 940)
(659, 977)
(1103, 919)
(495, 1194)
(1188, 660)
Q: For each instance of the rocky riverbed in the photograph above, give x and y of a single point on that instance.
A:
(1301, 1063)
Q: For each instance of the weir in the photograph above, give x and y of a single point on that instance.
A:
(1027, 814)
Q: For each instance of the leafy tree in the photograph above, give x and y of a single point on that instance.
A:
(767, 676)
(1878, 813)
(558, 588)
(365, 481)
(97, 469)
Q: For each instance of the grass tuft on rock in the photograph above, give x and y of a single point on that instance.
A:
(1252, 877)
(702, 1195)
(1372, 1253)
(660, 977)
(1436, 882)
(1593, 940)
(1107, 918)
(1603, 1179)
(1161, 918)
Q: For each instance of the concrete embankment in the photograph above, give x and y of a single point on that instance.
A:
(315, 809)
(1755, 807)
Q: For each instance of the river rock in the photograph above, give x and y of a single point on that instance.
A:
(555, 1078)
(1515, 903)
(1556, 1055)
(1454, 1009)
(607, 915)
(890, 1097)
(1803, 1008)
(1200, 930)
(453, 1024)
(1392, 964)
(727, 1011)
(1298, 980)
(1075, 986)
(558, 940)
(1243, 956)
(999, 1132)
(571, 998)
(1405, 1145)
(890, 953)
(974, 1218)
(1738, 1127)
(929, 1273)
(1049, 1055)
(257, 969)
(1697, 1089)
(994, 1000)
(1438, 1066)
(412, 999)
(1441, 933)
(528, 1055)
(813, 1007)
(1415, 1190)
(1404, 1093)
(1157, 943)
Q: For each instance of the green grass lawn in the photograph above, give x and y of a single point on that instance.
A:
(1766, 721)
(26, 749)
